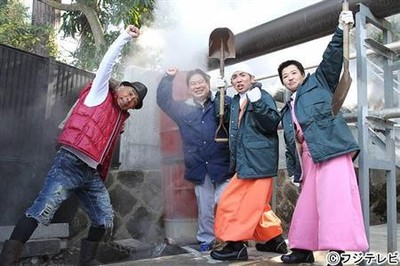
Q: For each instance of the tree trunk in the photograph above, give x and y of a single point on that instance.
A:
(43, 14)
(90, 13)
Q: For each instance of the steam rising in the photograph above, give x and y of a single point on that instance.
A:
(181, 30)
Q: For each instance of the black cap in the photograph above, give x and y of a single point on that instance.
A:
(140, 88)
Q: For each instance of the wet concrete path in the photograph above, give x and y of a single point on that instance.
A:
(378, 237)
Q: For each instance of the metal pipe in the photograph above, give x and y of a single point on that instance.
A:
(383, 114)
(298, 27)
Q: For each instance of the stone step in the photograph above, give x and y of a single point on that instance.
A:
(40, 247)
(56, 230)
(46, 240)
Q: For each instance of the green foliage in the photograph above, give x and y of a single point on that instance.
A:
(3, 3)
(73, 22)
(134, 12)
(18, 32)
(111, 14)
(86, 55)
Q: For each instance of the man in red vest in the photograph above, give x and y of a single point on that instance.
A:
(81, 165)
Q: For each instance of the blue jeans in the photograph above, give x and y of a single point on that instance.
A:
(69, 174)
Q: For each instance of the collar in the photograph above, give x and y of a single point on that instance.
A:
(293, 96)
(193, 102)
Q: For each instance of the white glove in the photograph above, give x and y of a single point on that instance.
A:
(221, 83)
(346, 18)
(254, 94)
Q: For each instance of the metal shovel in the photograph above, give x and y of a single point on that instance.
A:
(345, 80)
(221, 45)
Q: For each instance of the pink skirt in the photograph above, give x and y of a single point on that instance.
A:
(328, 213)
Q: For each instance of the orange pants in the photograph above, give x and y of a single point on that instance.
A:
(244, 212)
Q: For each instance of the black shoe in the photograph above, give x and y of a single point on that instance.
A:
(231, 251)
(276, 244)
(298, 256)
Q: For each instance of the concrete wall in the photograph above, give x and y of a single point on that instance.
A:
(140, 143)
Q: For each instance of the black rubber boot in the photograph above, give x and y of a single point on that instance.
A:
(88, 253)
(276, 244)
(11, 252)
(231, 251)
(298, 256)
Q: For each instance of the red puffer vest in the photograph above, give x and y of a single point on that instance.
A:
(94, 130)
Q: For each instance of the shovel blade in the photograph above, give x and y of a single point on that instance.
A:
(221, 44)
(341, 92)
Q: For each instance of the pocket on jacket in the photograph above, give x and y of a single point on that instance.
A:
(256, 144)
(192, 118)
(319, 110)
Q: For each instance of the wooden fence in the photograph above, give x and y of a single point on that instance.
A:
(35, 94)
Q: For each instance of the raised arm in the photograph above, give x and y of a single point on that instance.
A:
(165, 99)
(328, 71)
(100, 85)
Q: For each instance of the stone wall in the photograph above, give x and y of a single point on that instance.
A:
(137, 198)
(286, 198)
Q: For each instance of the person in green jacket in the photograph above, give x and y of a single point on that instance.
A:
(244, 212)
(319, 149)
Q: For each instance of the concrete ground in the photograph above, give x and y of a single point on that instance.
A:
(378, 237)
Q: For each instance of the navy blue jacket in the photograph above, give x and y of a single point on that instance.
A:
(197, 126)
(326, 136)
(254, 144)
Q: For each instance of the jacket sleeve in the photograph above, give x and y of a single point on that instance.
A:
(266, 113)
(328, 71)
(290, 161)
(165, 99)
(100, 87)
(292, 158)
(289, 156)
